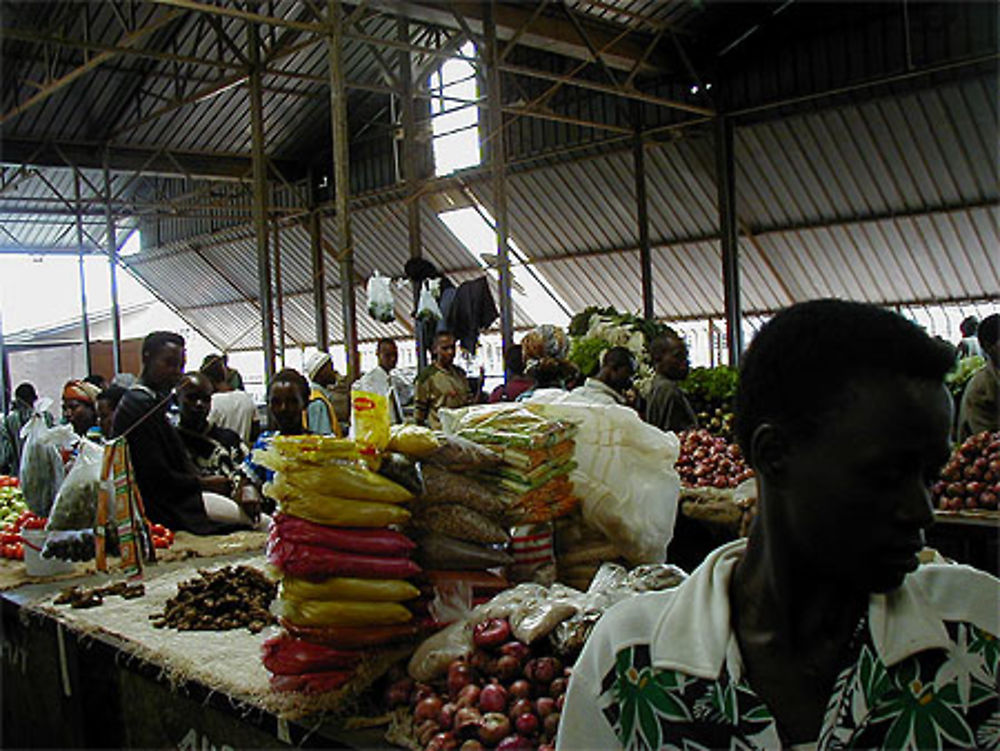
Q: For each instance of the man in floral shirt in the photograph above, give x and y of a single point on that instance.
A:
(819, 631)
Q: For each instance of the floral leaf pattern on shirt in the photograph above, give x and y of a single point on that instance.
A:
(931, 700)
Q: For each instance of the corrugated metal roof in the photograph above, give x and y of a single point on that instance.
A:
(865, 215)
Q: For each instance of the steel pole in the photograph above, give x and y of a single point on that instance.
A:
(260, 201)
(642, 214)
(499, 174)
(84, 321)
(411, 170)
(5, 390)
(319, 282)
(112, 243)
(728, 228)
(280, 294)
(341, 183)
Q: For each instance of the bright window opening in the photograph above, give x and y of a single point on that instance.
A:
(475, 229)
(455, 114)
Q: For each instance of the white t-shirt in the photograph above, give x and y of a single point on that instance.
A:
(234, 410)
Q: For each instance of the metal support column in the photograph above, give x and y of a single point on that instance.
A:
(498, 164)
(112, 242)
(260, 201)
(280, 295)
(411, 169)
(6, 392)
(728, 228)
(318, 274)
(642, 213)
(341, 183)
(84, 320)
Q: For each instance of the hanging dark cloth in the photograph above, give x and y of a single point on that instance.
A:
(471, 311)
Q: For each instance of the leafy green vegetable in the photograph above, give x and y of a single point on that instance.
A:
(585, 353)
(962, 373)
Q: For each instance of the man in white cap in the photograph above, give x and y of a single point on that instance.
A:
(321, 418)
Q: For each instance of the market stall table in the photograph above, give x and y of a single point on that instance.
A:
(105, 676)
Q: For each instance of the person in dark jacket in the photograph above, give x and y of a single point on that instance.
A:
(171, 488)
(668, 407)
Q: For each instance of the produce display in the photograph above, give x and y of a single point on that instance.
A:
(971, 478)
(228, 598)
(343, 569)
(12, 503)
(712, 393)
(83, 597)
(708, 461)
(596, 330)
(962, 373)
(11, 543)
(507, 695)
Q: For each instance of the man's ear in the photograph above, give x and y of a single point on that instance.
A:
(769, 450)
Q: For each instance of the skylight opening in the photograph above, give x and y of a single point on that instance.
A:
(475, 229)
(455, 124)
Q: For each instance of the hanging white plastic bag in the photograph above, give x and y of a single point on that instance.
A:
(380, 303)
(427, 306)
(75, 506)
(41, 469)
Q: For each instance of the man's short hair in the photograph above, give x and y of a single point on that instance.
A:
(438, 335)
(112, 395)
(384, 340)
(663, 342)
(969, 326)
(294, 377)
(26, 393)
(800, 362)
(214, 366)
(989, 333)
(618, 357)
(196, 376)
(513, 359)
(157, 340)
(96, 378)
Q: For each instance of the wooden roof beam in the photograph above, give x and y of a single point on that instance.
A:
(544, 31)
(214, 166)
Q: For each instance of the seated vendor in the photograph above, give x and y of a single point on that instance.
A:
(286, 401)
(820, 630)
(79, 406)
(170, 485)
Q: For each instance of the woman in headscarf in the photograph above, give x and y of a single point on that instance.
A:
(79, 405)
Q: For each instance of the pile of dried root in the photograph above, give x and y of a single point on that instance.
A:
(231, 597)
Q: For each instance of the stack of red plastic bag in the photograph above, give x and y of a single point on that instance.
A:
(343, 566)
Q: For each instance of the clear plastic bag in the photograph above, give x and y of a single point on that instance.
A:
(380, 303)
(427, 305)
(438, 551)
(41, 470)
(75, 506)
(413, 440)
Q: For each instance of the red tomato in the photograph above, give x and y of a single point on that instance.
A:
(8, 550)
(5, 481)
(9, 538)
(160, 542)
(19, 552)
(36, 523)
